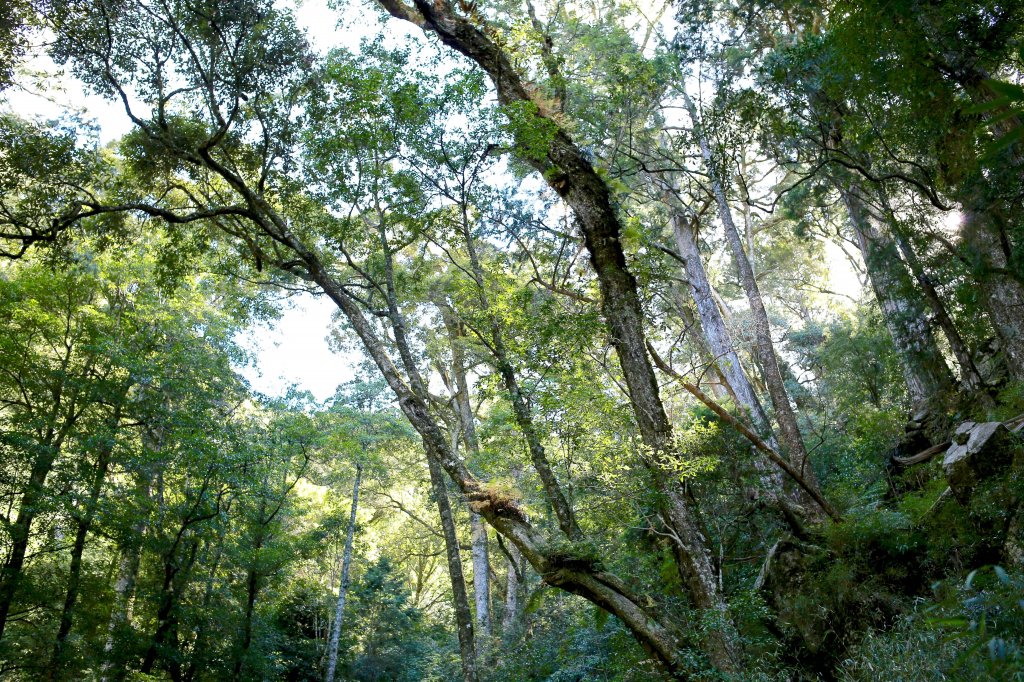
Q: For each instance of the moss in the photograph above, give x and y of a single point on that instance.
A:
(581, 555)
(498, 498)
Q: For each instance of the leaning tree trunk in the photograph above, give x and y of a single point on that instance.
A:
(718, 338)
(970, 377)
(568, 171)
(728, 363)
(346, 563)
(601, 588)
(764, 348)
(20, 530)
(924, 368)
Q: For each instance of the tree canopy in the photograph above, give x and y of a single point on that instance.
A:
(688, 341)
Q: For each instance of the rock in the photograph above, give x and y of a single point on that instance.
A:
(978, 452)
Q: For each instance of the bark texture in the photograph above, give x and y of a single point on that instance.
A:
(712, 323)
(467, 422)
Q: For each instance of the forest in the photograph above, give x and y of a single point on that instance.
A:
(687, 340)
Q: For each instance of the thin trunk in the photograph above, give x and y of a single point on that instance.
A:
(175, 578)
(481, 566)
(198, 657)
(727, 361)
(970, 377)
(21, 529)
(84, 525)
(764, 348)
(463, 616)
(346, 563)
(924, 368)
(524, 417)
(253, 584)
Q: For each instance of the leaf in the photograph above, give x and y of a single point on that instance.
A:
(1010, 90)
(1000, 572)
(536, 599)
(997, 649)
(600, 617)
(950, 622)
(990, 105)
(1003, 142)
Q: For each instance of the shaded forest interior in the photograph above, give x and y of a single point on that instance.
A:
(688, 340)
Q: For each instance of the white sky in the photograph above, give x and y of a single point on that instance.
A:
(294, 351)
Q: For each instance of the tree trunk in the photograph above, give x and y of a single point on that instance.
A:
(198, 659)
(84, 525)
(924, 368)
(1002, 293)
(511, 619)
(113, 666)
(463, 616)
(524, 417)
(481, 579)
(764, 348)
(253, 585)
(717, 381)
(970, 377)
(715, 332)
(11, 574)
(346, 563)
(481, 566)
(175, 577)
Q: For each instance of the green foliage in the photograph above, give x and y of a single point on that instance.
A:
(970, 630)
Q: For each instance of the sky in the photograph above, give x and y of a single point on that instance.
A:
(293, 351)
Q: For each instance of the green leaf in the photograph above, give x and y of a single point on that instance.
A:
(600, 617)
(536, 599)
(1010, 90)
